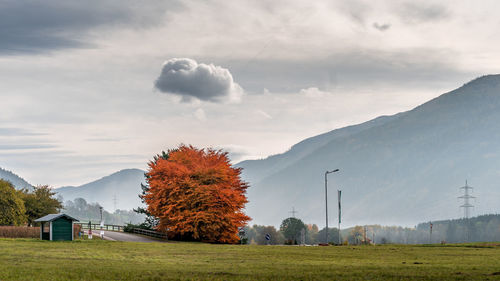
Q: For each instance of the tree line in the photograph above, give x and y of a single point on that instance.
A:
(292, 231)
(481, 228)
(84, 211)
(485, 228)
(23, 207)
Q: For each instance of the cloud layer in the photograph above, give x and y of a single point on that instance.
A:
(31, 27)
(191, 80)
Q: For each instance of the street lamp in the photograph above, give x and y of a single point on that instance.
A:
(326, 200)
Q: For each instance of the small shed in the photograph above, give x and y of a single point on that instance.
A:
(56, 227)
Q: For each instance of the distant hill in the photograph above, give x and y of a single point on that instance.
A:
(17, 181)
(398, 169)
(124, 185)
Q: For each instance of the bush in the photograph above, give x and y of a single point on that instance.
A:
(19, 232)
(130, 227)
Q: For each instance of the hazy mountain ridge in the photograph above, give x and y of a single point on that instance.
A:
(278, 162)
(124, 184)
(17, 181)
(405, 170)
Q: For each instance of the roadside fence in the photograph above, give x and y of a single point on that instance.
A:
(150, 233)
(97, 226)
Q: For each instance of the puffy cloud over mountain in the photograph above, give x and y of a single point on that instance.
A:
(191, 80)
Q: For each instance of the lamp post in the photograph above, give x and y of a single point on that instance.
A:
(326, 201)
(102, 224)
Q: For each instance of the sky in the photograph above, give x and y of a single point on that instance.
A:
(91, 87)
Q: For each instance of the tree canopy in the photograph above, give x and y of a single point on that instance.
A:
(257, 235)
(197, 195)
(291, 228)
(12, 211)
(40, 202)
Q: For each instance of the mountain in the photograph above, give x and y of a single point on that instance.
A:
(399, 169)
(17, 181)
(124, 186)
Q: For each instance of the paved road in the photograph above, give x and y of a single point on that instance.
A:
(129, 237)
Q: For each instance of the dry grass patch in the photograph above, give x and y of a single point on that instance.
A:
(19, 232)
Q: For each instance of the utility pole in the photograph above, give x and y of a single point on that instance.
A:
(293, 212)
(430, 233)
(326, 202)
(339, 194)
(364, 236)
(102, 224)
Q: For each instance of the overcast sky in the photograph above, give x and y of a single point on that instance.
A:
(91, 87)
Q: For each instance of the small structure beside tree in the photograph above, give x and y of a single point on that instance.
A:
(56, 227)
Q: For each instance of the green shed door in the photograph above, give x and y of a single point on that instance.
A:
(61, 229)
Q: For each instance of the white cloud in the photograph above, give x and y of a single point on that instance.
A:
(200, 115)
(313, 92)
(191, 80)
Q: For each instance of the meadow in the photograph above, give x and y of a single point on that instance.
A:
(32, 259)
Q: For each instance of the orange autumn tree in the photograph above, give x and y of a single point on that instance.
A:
(197, 195)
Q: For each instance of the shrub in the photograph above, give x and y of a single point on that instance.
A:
(19, 232)
(130, 227)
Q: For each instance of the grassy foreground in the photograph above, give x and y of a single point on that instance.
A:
(32, 259)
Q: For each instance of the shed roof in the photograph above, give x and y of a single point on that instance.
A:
(52, 217)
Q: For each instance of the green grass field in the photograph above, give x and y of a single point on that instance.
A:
(31, 259)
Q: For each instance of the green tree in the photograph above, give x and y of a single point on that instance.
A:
(291, 228)
(12, 211)
(333, 235)
(276, 238)
(40, 202)
(312, 234)
(356, 235)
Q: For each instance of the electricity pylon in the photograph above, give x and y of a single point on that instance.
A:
(466, 197)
